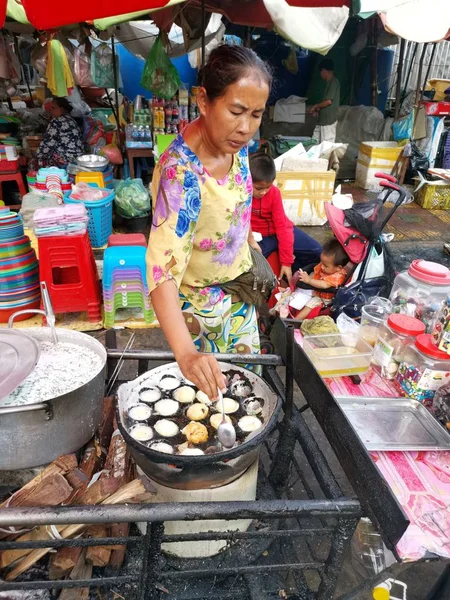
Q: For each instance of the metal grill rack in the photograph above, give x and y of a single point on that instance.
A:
(302, 522)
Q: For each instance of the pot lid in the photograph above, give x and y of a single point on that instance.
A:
(424, 343)
(429, 272)
(19, 354)
(406, 325)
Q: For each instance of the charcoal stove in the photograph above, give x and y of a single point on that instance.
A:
(301, 521)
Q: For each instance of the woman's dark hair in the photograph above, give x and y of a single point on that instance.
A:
(326, 64)
(334, 249)
(227, 64)
(262, 168)
(64, 104)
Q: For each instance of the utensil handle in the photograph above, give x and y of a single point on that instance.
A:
(10, 410)
(28, 311)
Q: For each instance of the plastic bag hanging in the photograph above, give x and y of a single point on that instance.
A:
(82, 64)
(59, 75)
(102, 66)
(160, 76)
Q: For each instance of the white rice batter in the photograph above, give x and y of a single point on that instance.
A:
(61, 368)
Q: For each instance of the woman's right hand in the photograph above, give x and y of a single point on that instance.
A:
(204, 372)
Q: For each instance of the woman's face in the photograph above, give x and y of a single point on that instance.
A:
(232, 119)
(55, 110)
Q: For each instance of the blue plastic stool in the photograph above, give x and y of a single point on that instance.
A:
(126, 260)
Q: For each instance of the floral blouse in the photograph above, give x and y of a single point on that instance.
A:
(62, 143)
(200, 225)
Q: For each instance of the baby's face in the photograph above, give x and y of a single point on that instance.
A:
(260, 188)
(328, 265)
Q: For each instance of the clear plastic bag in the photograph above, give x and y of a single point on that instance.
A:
(102, 69)
(82, 65)
(159, 75)
(132, 199)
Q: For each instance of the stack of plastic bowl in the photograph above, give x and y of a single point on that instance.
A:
(124, 283)
(19, 271)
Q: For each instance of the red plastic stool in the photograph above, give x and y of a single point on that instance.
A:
(13, 176)
(67, 264)
(127, 239)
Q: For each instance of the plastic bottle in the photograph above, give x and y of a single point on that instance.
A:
(368, 555)
(383, 590)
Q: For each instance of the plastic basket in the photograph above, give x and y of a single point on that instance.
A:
(100, 217)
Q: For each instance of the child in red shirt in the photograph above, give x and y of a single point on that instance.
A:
(330, 272)
(296, 249)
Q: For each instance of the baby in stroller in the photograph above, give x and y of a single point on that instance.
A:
(329, 273)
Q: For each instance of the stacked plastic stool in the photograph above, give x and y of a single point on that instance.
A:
(124, 282)
(67, 264)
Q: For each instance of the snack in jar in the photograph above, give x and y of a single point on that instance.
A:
(395, 335)
(420, 291)
(424, 370)
(441, 329)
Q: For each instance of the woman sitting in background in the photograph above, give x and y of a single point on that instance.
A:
(63, 141)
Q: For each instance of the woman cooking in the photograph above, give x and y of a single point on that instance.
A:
(202, 194)
(63, 140)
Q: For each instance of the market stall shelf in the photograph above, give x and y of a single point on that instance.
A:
(413, 521)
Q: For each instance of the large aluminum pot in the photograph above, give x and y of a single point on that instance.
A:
(36, 434)
(197, 472)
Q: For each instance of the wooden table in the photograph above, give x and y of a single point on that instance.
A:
(133, 153)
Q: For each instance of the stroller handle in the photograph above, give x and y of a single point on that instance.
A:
(391, 178)
(392, 185)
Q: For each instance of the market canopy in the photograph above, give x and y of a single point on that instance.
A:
(53, 14)
(414, 20)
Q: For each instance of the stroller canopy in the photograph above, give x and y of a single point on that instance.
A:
(356, 228)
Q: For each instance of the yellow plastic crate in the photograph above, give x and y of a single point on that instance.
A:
(304, 195)
(434, 195)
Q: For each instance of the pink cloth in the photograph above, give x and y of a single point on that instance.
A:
(421, 483)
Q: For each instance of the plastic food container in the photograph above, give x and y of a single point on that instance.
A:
(336, 355)
(420, 291)
(372, 317)
(424, 370)
(396, 334)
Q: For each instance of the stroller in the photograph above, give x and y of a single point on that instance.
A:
(359, 230)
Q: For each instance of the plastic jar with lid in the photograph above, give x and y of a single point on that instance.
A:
(420, 291)
(424, 370)
(395, 335)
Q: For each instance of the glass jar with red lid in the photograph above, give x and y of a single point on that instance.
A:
(420, 291)
(424, 370)
(396, 334)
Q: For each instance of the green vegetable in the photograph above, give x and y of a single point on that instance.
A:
(132, 199)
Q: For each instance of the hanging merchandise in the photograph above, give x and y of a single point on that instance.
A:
(9, 61)
(93, 133)
(402, 128)
(59, 75)
(102, 66)
(82, 64)
(159, 75)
